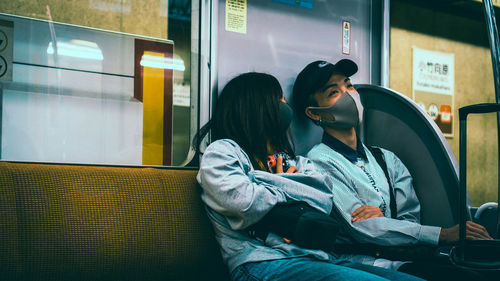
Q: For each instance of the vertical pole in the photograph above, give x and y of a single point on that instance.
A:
(462, 194)
(1, 113)
(491, 24)
(386, 34)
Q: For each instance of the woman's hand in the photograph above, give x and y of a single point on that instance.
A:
(366, 212)
(279, 167)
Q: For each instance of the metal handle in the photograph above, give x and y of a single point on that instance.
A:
(463, 113)
(478, 108)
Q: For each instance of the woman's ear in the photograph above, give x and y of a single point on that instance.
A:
(312, 114)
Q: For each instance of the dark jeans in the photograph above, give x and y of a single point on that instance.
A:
(306, 268)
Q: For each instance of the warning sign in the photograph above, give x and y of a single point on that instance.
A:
(236, 16)
(6, 50)
(346, 37)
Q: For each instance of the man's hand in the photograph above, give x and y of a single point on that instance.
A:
(473, 231)
(366, 212)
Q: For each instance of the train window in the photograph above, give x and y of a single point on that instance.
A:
(96, 81)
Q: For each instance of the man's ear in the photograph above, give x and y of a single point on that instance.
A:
(312, 114)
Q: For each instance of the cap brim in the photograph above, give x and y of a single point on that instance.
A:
(346, 67)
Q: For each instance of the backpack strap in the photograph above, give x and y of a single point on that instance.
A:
(377, 153)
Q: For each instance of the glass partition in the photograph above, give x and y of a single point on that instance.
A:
(96, 81)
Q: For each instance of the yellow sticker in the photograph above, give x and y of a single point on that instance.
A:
(236, 16)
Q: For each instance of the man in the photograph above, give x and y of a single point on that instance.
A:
(324, 93)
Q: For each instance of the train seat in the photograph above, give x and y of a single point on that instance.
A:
(395, 122)
(84, 222)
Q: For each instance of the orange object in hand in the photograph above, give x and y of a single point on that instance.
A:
(272, 161)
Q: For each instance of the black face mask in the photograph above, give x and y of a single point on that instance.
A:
(286, 114)
(347, 112)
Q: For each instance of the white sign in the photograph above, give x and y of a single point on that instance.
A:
(433, 86)
(6, 49)
(346, 37)
(433, 71)
(182, 95)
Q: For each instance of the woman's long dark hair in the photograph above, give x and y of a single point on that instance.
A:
(247, 112)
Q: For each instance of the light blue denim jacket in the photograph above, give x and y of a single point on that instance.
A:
(238, 196)
(352, 188)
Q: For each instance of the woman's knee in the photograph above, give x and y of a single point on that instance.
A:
(300, 269)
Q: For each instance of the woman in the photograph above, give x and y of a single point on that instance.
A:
(250, 122)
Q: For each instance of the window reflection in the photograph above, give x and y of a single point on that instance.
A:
(72, 92)
(162, 62)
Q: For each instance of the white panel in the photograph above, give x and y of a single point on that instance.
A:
(60, 128)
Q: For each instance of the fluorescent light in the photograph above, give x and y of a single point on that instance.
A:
(77, 49)
(162, 62)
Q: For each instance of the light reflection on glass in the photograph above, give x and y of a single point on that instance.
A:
(162, 62)
(77, 49)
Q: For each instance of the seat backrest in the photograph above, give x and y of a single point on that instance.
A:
(74, 222)
(396, 123)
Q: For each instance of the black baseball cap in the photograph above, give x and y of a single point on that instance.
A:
(314, 76)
